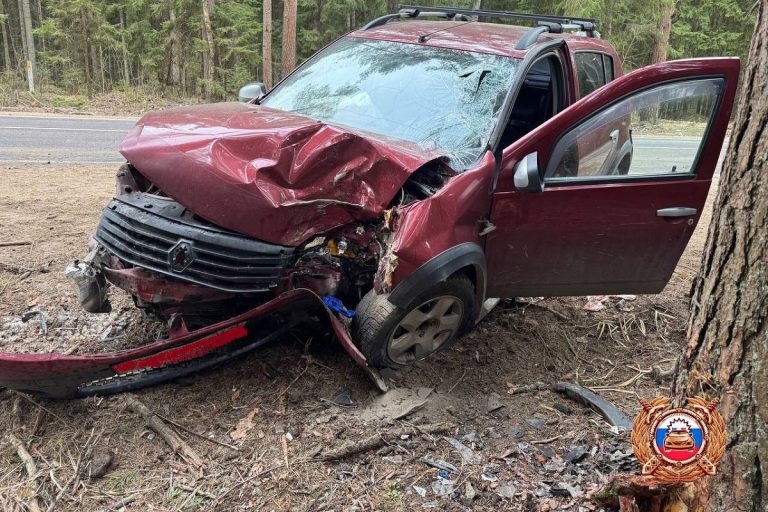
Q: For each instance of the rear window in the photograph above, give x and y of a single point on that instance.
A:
(593, 70)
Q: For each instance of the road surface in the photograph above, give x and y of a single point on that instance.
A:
(80, 140)
(62, 140)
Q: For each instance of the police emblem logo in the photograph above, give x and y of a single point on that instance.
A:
(677, 445)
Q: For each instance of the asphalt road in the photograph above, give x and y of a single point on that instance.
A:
(64, 140)
(75, 140)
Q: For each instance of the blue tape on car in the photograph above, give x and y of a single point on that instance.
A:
(335, 305)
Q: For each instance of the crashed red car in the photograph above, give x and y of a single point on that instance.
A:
(391, 187)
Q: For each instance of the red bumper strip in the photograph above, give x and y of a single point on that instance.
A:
(184, 352)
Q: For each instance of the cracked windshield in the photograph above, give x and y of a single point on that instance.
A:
(438, 98)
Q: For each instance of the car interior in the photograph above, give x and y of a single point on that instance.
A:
(539, 99)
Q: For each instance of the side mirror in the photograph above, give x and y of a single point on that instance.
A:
(527, 176)
(251, 91)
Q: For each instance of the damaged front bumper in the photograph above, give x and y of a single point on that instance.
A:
(57, 375)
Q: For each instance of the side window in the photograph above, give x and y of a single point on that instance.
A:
(590, 71)
(658, 131)
(608, 66)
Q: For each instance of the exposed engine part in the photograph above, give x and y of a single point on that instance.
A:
(423, 183)
(342, 263)
(89, 280)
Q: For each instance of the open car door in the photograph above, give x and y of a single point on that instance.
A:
(604, 197)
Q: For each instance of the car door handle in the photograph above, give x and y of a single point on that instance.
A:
(614, 136)
(677, 211)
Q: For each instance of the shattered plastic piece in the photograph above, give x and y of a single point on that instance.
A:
(26, 317)
(604, 408)
(419, 490)
(595, 303)
(469, 491)
(343, 399)
(469, 456)
(439, 464)
(494, 402)
(91, 285)
(506, 490)
(335, 305)
(442, 487)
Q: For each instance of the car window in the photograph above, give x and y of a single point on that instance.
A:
(438, 98)
(658, 131)
(608, 66)
(590, 71)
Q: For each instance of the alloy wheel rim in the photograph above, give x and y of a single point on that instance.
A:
(425, 329)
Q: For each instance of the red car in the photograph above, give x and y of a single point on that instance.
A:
(393, 185)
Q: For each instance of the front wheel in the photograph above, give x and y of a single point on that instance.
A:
(395, 337)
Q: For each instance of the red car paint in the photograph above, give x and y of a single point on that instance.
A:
(58, 375)
(275, 176)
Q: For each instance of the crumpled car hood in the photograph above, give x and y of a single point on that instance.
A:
(276, 176)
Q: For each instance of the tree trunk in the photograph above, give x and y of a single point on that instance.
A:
(30, 40)
(173, 77)
(661, 42)
(208, 54)
(266, 44)
(126, 69)
(727, 349)
(22, 33)
(6, 42)
(86, 51)
(477, 4)
(289, 36)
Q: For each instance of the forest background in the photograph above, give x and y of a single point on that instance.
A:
(132, 52)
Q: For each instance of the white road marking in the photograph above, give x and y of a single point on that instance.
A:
(62, 129)
(53, 161)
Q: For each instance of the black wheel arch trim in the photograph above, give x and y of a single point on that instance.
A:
(440, 268)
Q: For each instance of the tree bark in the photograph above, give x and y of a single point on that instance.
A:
(727, 349)
(266, 44)
(209, 53)
(289, 36)
(6, 42)
(174, 74)
(124, 48)
(30, 44)
(87, 69)
(660, 47)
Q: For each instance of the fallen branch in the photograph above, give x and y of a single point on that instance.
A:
(380, 439)
(201, 436)
(85, 454)
(548, 440)
(169, 436)
(14, 244)
(558, 314)
(29, 464)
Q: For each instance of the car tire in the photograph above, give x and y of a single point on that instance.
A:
(394, 337)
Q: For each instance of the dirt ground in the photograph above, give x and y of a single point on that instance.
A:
(258, 423)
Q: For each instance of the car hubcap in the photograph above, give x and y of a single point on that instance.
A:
(425, 328)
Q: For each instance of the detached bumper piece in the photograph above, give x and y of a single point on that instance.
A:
(55, 375)
(157, 233)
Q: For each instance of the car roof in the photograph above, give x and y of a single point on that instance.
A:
(492, 38)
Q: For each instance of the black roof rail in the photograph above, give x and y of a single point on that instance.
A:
(406, 12)
(546, 22)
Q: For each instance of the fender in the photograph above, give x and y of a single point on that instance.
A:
(440, 268)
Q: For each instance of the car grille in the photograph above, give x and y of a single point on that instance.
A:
(187, 248)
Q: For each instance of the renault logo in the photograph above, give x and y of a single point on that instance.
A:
(181, 256)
